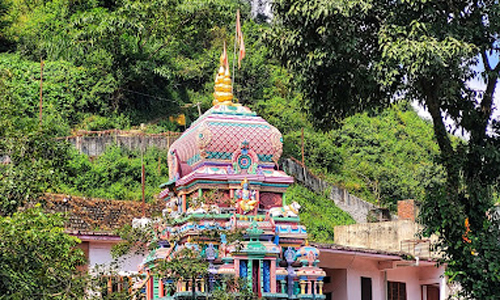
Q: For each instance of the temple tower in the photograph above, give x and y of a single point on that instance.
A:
(224, 176)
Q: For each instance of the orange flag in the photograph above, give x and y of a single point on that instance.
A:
(239, 39)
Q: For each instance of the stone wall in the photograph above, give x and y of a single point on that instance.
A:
(95, 143)
(354, 206)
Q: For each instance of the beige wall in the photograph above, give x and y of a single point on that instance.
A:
(386, 236)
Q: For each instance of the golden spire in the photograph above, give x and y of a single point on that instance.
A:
(223, 86)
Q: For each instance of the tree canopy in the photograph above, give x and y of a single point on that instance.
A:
(426, 51)
(35, 243)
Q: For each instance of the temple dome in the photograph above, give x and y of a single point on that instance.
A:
(226, 135)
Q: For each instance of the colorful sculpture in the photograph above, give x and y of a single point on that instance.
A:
(291, 210)
(231, 150)
(246, 199)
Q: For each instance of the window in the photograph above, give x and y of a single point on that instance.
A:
(396, 290)
(115, 284)
(366, 288)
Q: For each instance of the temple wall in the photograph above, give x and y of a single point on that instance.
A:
(354, 206)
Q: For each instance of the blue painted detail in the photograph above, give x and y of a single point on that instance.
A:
(231, 124)
(243, 269)
(223, 239)
(156, 287)
(296, 288)
(231, 181)
(244, 161)
(219, 155)
(266, 276)
(265, 157)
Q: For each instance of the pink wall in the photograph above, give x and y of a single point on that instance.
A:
(346, 269)
(409, 275)
(338, 283)
(362, 267)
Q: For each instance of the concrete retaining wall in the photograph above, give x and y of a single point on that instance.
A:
(94, 145)
(354, 206)
(385, 236)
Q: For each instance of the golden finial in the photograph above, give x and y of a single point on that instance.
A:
(223, 85)
(307, 243)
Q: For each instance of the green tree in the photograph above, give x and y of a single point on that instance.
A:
(154, 52)
(329, 46)
(39, 261)
(115, 174)
(31, 160)
(388, 156)
(425, 51)
(4, 8)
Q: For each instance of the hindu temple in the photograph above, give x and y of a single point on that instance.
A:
(224, 177)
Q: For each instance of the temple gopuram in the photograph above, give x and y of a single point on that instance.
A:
(224, 176)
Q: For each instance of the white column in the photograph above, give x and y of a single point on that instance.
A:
(443, 288)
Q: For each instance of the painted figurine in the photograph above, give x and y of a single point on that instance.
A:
(246, 198)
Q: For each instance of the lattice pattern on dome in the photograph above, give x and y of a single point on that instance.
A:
(229, 141)
(219, 133)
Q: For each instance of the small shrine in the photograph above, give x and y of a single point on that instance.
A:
(224, 175)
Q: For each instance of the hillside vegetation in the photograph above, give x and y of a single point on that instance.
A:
(117, 64)
(318, 213)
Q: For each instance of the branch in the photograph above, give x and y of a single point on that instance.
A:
(487, 101)
(486, 63)
(430, 89)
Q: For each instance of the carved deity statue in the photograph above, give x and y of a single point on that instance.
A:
(246, 198)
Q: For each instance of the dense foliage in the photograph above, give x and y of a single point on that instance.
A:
(35, 243)
(426, 51)
(135, 61)
(387, 157)
(328, 46)
(318, 213)
(383, 156)
(31, 161)
(115, 174)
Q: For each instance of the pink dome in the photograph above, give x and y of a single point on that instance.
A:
(226, 136)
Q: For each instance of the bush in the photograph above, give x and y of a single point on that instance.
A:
(115, 174)
(317, 213)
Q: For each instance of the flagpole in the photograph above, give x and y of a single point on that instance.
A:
(234, 54)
